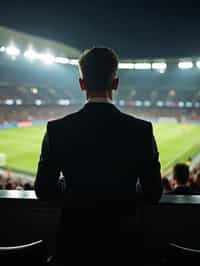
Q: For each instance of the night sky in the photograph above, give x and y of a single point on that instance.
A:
(135, 29)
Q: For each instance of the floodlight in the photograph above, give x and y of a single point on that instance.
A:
(2, 49)
(64, 102)
(62, 60)
(159, 66)
(30, 55)
(73, 62)
(12, 50)
(142, 66)
(126, 66)
(34, 90)
(47, 58)
(198, 64)
(185, 65)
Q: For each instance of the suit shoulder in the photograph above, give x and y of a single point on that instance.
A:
(63, 120)
(137, 121)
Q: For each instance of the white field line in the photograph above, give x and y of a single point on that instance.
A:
(180, 154)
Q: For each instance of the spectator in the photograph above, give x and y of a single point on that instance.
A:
(181, 176)
(196, 181)
(166, 185)
(10, 183)
(28, 186)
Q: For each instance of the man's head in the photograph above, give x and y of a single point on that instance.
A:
(98, 70)
(181, 174)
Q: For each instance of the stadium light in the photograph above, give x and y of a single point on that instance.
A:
(74, 62)
(2, 49)
(12, 50)
(159, 66)
(48, 59)
(62, 60)
(198, 64)
(142, 66)
(185, 65)
(30, 55)
(126, 66)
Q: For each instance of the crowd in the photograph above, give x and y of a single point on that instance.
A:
(31, 113)
(11, 114)
(183, 181)
(13, 182)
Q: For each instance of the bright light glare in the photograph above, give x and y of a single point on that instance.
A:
(12, 50)
(126, 66)
(34, 90)
(159, 66)
(47, 58)
(30, 55)
(198, 64)
(142, 66)
(73, 62)
(185, 65)
(61, 60)
(2, 49)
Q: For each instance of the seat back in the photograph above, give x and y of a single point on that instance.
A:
(180, 255)
(34, 253)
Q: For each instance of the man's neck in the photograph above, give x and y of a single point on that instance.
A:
(99, 99)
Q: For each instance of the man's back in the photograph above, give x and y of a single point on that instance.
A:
(100, 149)
(101, 153)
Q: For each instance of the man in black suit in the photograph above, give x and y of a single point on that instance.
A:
(102, 153)
(99, 148)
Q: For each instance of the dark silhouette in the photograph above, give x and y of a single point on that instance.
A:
(99, 148)
(181, 176)
(102, 153)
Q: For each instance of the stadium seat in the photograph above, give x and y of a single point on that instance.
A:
(180, 255)
(34, 253)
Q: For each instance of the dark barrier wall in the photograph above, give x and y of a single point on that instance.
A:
(24, 219)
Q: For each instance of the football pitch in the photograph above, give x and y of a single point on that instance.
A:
(176, 142)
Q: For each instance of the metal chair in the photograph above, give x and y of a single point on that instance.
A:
(34, 253)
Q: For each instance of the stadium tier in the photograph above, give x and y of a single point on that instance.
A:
(40, 83)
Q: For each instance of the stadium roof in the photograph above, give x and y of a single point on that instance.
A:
(24, 41)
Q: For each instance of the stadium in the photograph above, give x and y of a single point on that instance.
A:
(39, 82)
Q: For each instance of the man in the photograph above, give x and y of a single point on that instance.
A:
(181, 176)
(99, 148)
(101, 152)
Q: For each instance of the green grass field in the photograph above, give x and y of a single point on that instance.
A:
(176, 142)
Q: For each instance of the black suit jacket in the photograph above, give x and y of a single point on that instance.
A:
(99, 149)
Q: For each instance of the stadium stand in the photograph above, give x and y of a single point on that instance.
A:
(32, 91)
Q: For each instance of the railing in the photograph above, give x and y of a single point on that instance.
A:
(24, 218)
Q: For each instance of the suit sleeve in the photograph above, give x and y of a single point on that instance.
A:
(151, 181)
(47, 179)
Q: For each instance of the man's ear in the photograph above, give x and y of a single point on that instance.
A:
(82, 84)
(115, 84)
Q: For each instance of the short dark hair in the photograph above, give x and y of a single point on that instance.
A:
(98, 67)
(181, 173)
